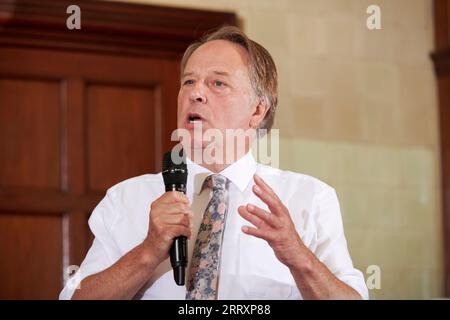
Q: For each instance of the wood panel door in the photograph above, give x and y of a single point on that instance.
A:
(78, 113)
(441, 60)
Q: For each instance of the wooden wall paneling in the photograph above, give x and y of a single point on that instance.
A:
(75, 233)
(107, 27)
(441, 60)
(25, 240)
(444, 102)
(30, 160)
(79, 111)
(120, 127)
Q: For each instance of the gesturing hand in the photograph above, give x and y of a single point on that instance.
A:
(276, 226)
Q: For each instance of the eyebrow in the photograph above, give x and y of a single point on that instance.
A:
(220, 73)
(184, 75)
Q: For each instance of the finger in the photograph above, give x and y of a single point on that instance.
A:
(174, 208)
(264, 215)
(176, 231)
(179, 207)
(276, 201)
(265, 187)
(174, 196)
(274, 204)
(258, 233)
(178, 219)
(243, 211)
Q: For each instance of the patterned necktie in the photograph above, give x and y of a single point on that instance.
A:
(203, 277)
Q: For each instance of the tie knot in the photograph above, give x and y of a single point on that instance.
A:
(217, 182)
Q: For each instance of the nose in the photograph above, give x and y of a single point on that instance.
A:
(197, 94)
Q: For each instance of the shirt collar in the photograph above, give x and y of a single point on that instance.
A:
(239, 173)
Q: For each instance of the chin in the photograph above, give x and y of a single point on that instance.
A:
(193, 144)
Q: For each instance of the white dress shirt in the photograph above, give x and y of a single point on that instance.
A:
(249, 268)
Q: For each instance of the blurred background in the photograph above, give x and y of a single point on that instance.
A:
(363, 110)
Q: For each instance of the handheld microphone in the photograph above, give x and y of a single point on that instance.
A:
(175, 177)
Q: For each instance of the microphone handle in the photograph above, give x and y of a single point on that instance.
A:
(178, 259)
(179, 248)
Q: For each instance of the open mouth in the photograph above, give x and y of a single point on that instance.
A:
(194, 117)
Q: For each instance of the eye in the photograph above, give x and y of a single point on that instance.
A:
(218, 83)
(188, 82)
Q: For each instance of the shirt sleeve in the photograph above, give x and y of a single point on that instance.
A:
(331, 246)
(103, 251)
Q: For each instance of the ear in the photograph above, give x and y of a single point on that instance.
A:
(259, 113)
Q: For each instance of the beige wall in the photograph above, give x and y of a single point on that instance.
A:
(358, 110)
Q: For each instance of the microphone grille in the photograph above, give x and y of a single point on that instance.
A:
(168, 160)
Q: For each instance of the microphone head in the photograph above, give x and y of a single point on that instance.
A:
(174, 169)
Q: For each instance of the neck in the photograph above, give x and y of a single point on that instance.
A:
(216, 168)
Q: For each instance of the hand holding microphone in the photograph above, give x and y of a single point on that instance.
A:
(175, 177)
(171, 220)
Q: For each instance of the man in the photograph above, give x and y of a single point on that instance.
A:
(259, 233)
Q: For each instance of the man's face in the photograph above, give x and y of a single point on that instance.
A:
(216, 89)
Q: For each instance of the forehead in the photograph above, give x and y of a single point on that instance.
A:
(218, 54)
